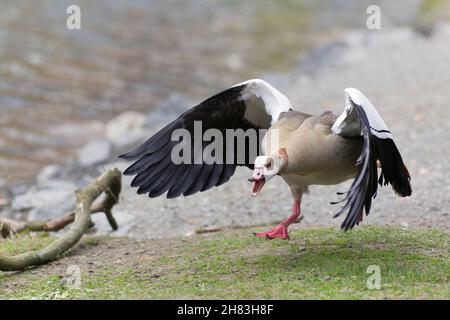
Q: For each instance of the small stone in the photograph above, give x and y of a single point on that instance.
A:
(48, 173)
(126, 129)
(190, 233)
(95, 152)
(123, 123)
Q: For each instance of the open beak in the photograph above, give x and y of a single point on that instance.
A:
(257, 185)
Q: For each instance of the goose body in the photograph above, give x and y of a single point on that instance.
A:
(316, 156)
(303, 149)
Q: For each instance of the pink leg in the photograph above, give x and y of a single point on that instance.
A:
(281, 230)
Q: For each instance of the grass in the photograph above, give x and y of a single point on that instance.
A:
(315, 264)
(26, 242)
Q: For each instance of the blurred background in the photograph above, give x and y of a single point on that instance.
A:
(60, 89)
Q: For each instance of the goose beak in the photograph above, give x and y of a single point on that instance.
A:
(258, 181)
(257, 186)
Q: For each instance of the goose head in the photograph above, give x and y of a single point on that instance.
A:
(265, 168)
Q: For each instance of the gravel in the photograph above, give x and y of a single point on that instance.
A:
(48, 202)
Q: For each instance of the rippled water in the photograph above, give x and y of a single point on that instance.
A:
(57, 86)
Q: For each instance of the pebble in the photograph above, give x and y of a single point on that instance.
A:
(94, 153)
(47, 174)
(126, 129)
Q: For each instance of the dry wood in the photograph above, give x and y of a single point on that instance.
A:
(109, 183)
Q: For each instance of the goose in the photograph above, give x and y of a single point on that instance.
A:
(303, 149)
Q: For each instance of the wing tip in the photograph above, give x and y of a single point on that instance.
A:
(131, 155)
(407, 189)
(125, 156)
(353, 92)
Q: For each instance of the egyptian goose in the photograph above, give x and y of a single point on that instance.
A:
(301, 148)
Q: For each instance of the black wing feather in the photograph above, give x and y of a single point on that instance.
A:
(156, 173)
(164, 186)
(364, 188)
(175, 189)
(394, 171)
(214, 177)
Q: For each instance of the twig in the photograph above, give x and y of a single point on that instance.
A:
(9, 227)
(110, 183)
(209, 230)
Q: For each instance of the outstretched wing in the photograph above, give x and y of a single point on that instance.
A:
(253, 104)
(360, 118)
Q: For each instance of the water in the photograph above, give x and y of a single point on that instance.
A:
(58, 86)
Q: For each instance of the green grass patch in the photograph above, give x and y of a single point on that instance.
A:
(316, 264)
(24, 242)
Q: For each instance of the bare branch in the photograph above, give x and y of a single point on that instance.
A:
(110, 183)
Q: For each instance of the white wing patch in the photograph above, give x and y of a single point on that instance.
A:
(262, 99)
(349, 124)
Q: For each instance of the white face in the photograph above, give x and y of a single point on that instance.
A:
(267, 166)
